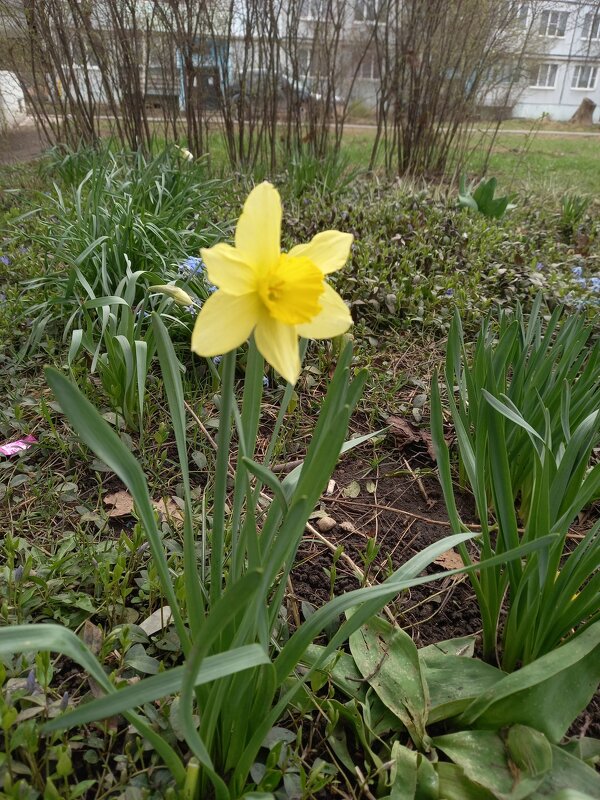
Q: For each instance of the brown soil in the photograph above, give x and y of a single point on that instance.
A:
(403, 519)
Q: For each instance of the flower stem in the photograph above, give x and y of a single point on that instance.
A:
(220, 493)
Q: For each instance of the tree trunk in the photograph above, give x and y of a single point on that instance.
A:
(585, 113)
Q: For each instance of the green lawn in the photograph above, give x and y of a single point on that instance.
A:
(547, 164)
(522, 163)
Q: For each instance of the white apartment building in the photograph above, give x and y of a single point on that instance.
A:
(566, 67)
(556, 54)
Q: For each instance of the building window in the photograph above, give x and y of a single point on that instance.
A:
(554, 23)
(312, 9)
(584, 77)
(369, 69)
(543, 76)
(366, 10)
(591, 26)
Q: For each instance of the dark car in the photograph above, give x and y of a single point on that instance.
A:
(256, 85)
(252, 88)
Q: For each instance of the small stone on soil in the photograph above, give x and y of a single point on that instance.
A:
(326, 524)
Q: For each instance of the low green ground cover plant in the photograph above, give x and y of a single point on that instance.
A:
(526, 412)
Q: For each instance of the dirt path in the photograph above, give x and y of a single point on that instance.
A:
(23, 143)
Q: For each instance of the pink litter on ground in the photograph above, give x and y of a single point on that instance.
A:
(10, 448)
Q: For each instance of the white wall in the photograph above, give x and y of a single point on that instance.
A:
(12, 100)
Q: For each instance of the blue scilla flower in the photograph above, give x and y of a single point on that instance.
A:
(581, 282)
(31, 682)
(5, 260)
(595, 285)
(577, 271)
(210, 288)
(539, 266)
(192, 265)
(191, 309)
(449, 292)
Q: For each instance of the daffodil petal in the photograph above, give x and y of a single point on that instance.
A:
(227, 269)
(224, 323)
(278, 343)
(328, 250)
(333, 319)
(258, 231)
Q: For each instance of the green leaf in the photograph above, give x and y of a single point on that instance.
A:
(529, 750)
(511, 413)
(388, 660)
(96, 302)
(169, 364)
(269, 479)
(454, 785)
(569, 675)
(403, 773)
(460, 646)
(159, 686)
(484, 759)
(569, 774)
(454, 682)
(104, 442)
(586, 748)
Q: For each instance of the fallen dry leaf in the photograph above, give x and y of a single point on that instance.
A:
(449, 560)
(352, 490)
(122, 503)
(159, 619)
(92, 636)
(122, 506)
(168, 509)
(407, 434)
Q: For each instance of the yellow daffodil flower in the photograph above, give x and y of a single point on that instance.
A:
(277, 296)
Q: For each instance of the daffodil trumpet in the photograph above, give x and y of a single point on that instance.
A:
(276, 296)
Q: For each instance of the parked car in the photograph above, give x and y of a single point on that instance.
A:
(248, 91)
